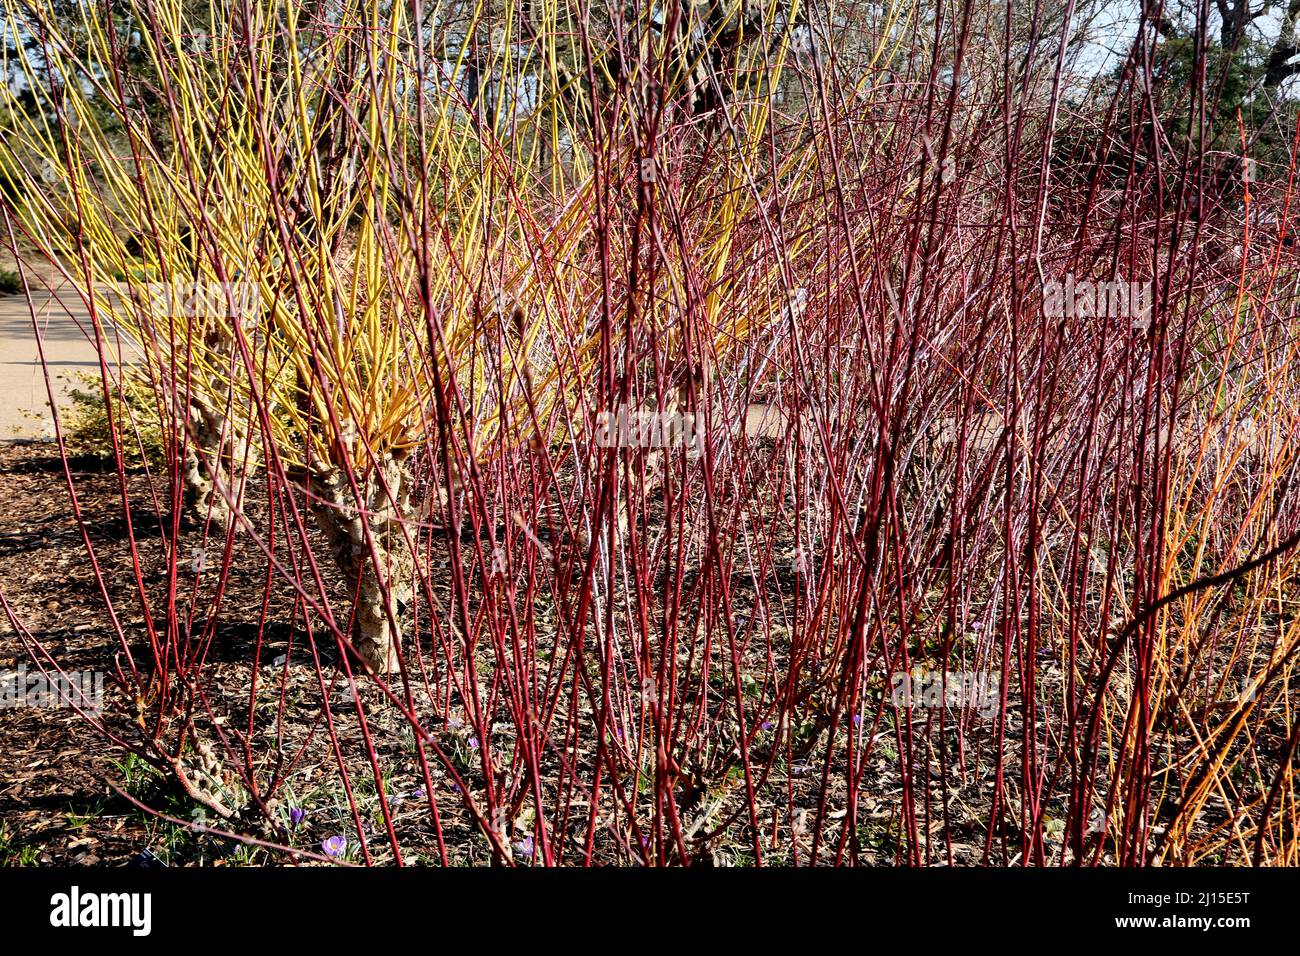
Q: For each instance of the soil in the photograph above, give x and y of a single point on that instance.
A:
(52, 764)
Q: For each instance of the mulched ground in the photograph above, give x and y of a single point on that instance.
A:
(56, 806)
(52, 765)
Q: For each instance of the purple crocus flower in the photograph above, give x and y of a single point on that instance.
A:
(296, 816)
(335, 847)
(524, 847)
(396, 798)
(765, 725)
(473, 743)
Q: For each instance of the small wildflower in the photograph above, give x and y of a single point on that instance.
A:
(296, 816)
(765, 725)
(335, 847)
(473, 743)
(398, 798)
(524, 847)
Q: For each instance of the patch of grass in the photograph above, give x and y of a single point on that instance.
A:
(77, 820)
(14, 853)
(139, 779)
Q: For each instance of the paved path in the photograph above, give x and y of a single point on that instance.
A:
(70, 354)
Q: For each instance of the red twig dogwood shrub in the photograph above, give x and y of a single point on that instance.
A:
(680, 436)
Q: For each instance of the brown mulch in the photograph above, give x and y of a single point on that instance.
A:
(56, 803)
(53, 800)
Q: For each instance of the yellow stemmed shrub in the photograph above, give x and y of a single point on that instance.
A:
(309, 228)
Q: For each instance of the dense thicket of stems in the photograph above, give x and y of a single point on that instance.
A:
(994, 364)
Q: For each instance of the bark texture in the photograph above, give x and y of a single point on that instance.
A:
(213, 462)
(384, 595)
